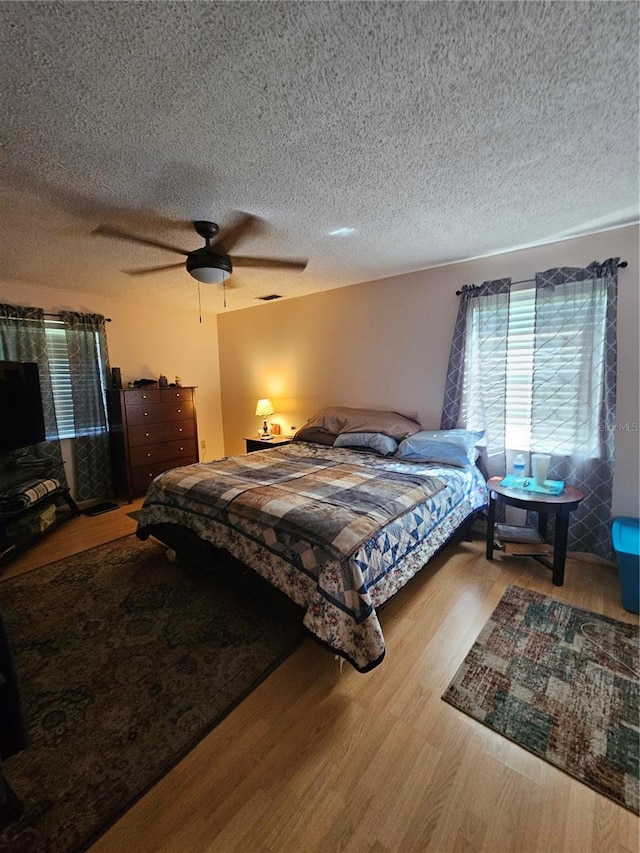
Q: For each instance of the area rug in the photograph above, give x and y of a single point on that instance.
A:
(562, 683)
(125, 662)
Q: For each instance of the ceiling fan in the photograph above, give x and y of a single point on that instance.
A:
(210, 264)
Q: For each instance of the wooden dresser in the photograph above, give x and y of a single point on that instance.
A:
(152, 430)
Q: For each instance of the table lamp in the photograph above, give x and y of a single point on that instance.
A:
(264, 408)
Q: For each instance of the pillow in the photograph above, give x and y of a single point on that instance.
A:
(316, 435)
(339, 419)
(382, 444)
(464, 438)
(442, 452)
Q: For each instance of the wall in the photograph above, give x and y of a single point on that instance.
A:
(146, 340)
(385, 344)
(382, 344)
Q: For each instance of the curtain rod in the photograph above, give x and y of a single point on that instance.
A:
(59, 316)
(529, 280)
(48, 314)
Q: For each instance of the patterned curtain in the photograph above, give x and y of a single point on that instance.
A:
(576, 313)
(22, 338)
(573, 350)
(478, 369)
(89, 371)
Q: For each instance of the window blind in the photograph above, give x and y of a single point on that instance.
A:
(70, 423)
(60, 378)
(537, 358)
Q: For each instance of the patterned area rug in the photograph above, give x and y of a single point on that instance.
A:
(125, 661)
(561, 682)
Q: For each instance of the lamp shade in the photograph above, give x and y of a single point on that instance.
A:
(264, 407)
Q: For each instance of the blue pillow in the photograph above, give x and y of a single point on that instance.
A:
(427, 450)
(465, 438)
(382, 444)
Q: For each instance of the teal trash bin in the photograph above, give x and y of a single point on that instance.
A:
(625, 535)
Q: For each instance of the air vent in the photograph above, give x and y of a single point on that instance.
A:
(269, 297)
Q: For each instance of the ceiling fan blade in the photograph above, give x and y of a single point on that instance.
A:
(146, 270)
(110, 231)
(269, 263)
(227, 237)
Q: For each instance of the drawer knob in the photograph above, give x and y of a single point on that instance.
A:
(147, 434)
(145, 414)
(179, 410)
(182, 448)
(148, 454)
(179, 429)
(144, 396)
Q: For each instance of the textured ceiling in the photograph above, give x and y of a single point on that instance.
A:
(438, 131)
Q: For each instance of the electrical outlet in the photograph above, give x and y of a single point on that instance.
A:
(203, 445)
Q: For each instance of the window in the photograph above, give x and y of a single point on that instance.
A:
(60, 370)
(533, 368)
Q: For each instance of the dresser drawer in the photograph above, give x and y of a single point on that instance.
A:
(149, 433)
(141, 477)
(170, 395)
(142, 396)
(147, 454)
(159, 413)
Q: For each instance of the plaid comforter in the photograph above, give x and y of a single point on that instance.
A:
(29, 494)
(309, 519)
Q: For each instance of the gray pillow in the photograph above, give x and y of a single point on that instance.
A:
(339, 419)
(382, 444)
(317, 435)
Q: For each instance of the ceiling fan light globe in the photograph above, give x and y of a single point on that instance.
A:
(209, 275)
(208, 267)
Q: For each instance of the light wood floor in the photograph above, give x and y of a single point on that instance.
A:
(318, 761)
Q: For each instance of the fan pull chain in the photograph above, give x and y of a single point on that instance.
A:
(199, 302)
(224, 292)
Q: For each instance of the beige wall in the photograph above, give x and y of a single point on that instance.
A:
(385, 344)
(146, 340)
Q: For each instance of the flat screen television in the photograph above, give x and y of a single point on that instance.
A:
(21, 414)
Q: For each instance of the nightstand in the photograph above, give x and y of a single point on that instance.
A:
(256, 443)
(559, 505)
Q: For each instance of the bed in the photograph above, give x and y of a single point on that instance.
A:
(337, 521)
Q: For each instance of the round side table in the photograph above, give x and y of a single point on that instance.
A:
(561, 506)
